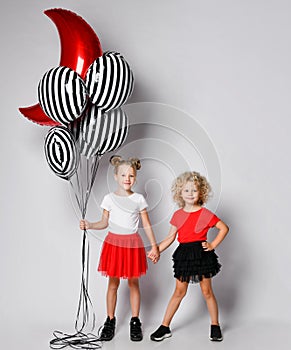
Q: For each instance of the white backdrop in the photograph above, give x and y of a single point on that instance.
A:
(223, 67)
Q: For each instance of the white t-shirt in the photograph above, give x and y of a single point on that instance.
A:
(124, 212)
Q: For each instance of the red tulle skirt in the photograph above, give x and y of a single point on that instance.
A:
(123, 256)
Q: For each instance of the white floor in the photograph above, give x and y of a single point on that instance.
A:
(263, 336)
(253, 335)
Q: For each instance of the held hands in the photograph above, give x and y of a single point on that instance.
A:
(154, 254)
(207, 246)
(84, 225)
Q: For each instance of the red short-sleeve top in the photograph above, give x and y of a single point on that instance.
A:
(193, 226)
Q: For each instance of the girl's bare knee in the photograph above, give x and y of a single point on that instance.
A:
(207, 294)
(113, 284)
(180, 292)
(133, 283)
(206, 289)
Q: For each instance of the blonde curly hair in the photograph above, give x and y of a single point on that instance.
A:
(116, 161)
(199, 180)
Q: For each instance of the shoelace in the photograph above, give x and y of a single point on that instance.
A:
(135, 327)
(108, 328)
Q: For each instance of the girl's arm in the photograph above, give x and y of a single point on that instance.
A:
(169, 239)
(99, 225)
(223, 230)
(154, 253)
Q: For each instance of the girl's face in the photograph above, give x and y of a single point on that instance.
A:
(190, 193)
(125, 177)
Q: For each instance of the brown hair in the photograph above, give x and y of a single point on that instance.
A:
(116, 161)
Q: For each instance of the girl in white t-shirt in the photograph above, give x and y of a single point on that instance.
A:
(123, 254)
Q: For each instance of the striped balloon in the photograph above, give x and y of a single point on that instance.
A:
(62, 94)
(61, 153)
(99, 132)
(109, 81)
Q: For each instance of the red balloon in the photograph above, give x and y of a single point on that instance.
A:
(80, 46)
(36, 114)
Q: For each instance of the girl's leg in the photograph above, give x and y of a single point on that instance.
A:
(133, 284)
(111, 298)
(108, 329)
(135, 324)
(206, 289)
(174, 303)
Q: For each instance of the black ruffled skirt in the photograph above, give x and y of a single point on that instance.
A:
(192, 263)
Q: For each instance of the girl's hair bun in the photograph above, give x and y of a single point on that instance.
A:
(135, 162)
(115, 160)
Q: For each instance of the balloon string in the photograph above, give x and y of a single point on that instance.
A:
(80, 340)
(81, 191)
(85, 312)
(91, 180)
(75, 341)
(84, 300)
(88, 183)
(76, 197)
(95, 168)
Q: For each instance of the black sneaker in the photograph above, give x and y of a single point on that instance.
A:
(215, 333)
(108, 329)
(135, 329)
(161, 333)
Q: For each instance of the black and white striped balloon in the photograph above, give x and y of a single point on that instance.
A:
(61, 152)
(98, 132)
(109, 81)
(62, 94)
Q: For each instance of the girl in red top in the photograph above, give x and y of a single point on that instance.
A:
(194, 259)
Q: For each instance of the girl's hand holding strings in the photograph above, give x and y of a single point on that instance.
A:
(84, 225)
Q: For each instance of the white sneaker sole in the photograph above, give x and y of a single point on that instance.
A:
(216, 339)
(168, 335)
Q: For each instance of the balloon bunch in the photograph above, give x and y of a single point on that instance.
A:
(81, 100)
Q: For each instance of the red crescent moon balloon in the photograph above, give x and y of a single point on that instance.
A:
(80, 46)
(36, 114)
